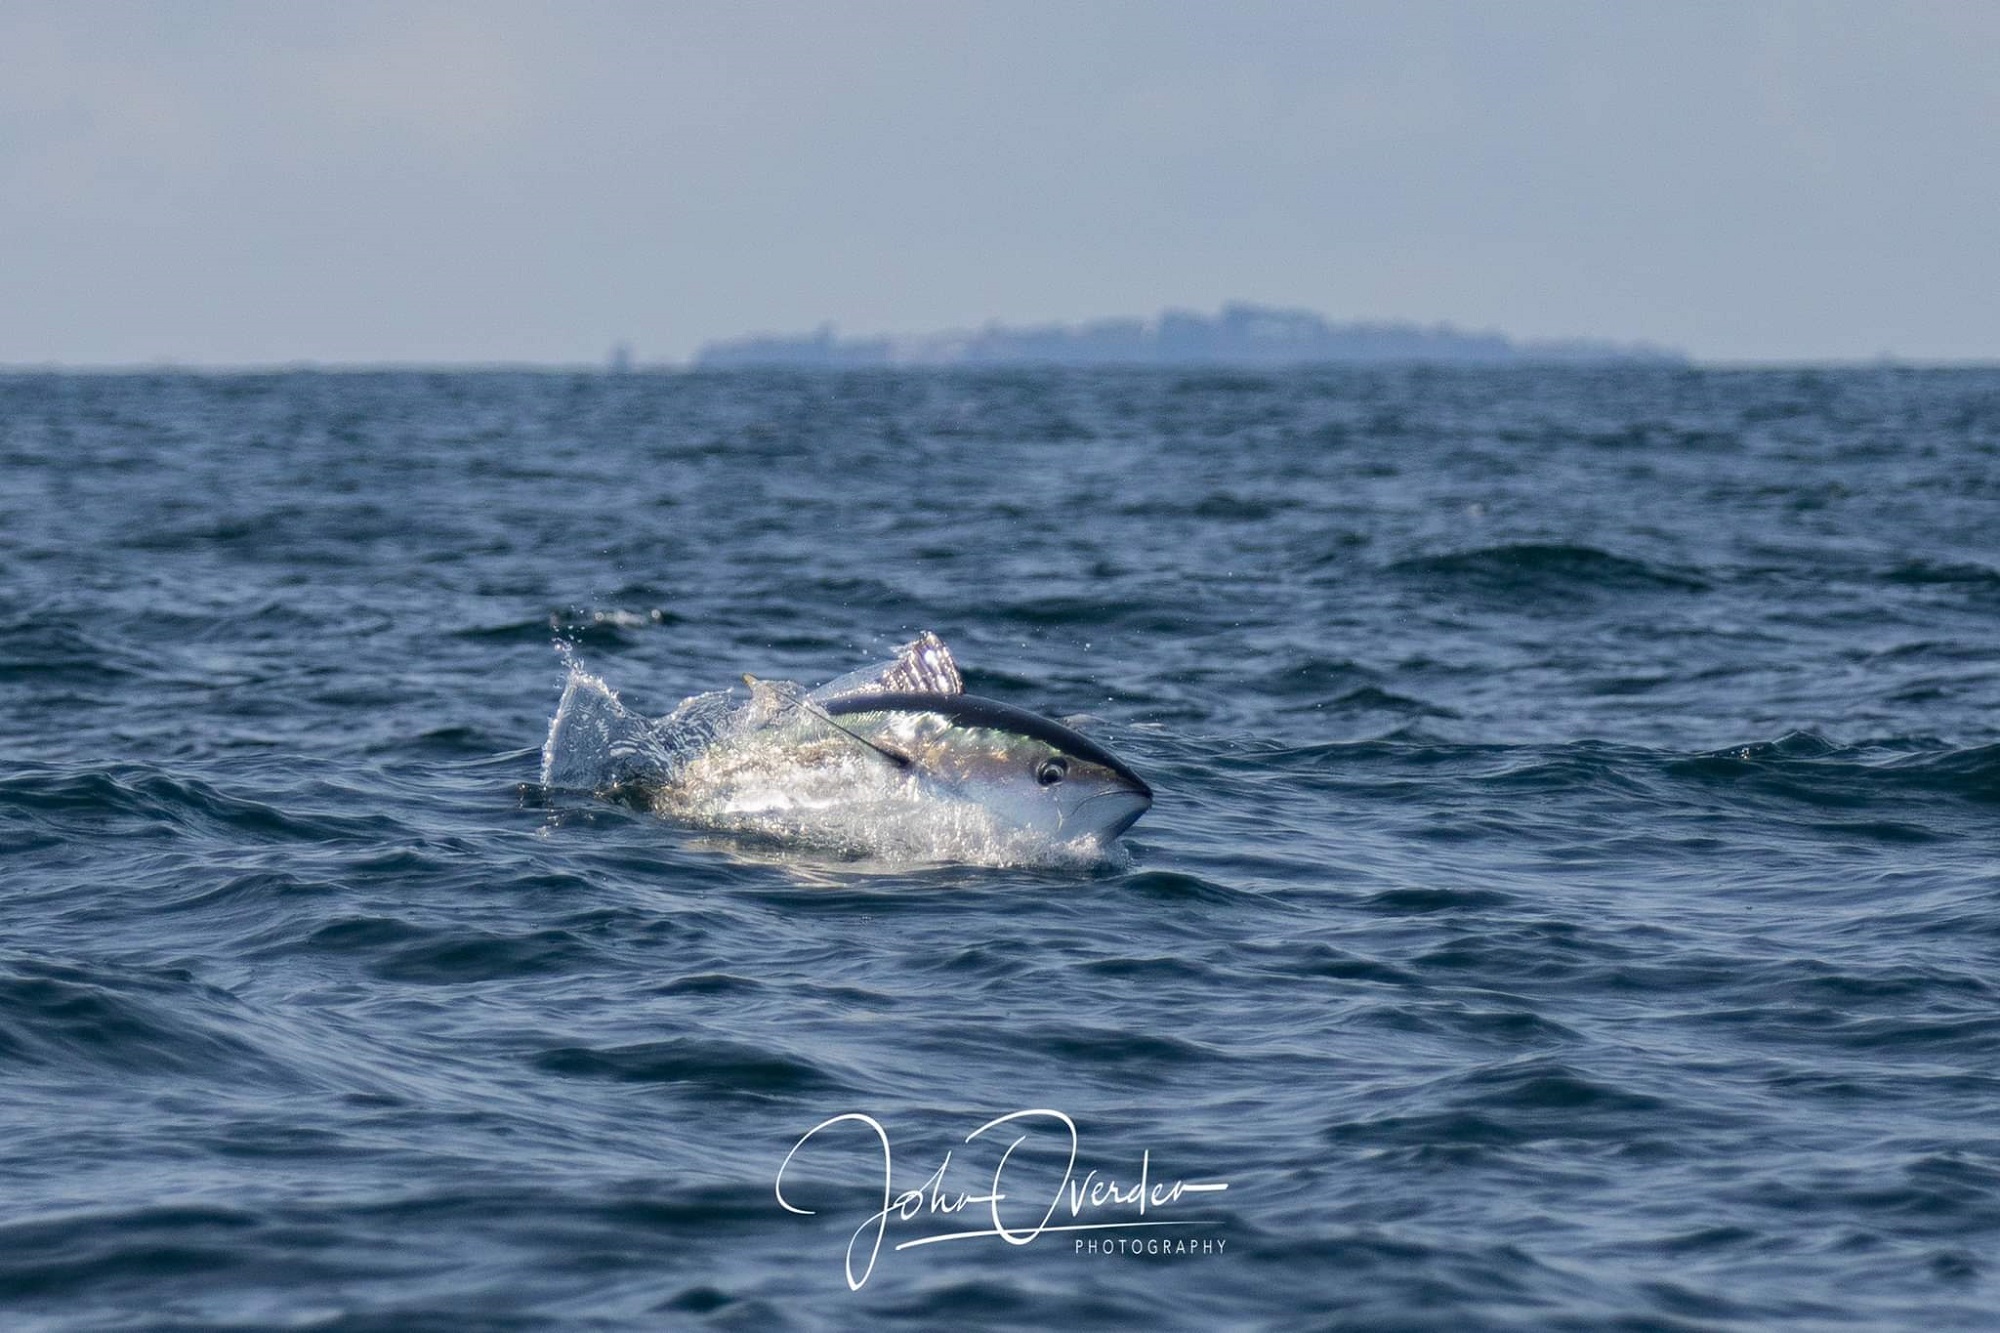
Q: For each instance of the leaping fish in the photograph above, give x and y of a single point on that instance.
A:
(894, 759)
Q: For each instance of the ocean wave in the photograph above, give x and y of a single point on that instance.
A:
(1922, 572)
(74, 1019)
(1809, 767)
(143, 797)
(718, 1068)
(1546, 569)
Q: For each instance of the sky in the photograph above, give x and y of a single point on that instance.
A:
(209, 183)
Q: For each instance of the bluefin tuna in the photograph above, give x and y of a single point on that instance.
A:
(893, 760)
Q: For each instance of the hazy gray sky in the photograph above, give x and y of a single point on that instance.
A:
(240, 183)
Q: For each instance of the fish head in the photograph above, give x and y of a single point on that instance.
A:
(1030, 773)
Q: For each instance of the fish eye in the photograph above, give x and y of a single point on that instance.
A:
(1051, 771)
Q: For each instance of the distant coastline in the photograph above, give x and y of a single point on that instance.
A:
(1238, 335)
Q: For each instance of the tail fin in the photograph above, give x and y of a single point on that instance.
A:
(594, 741)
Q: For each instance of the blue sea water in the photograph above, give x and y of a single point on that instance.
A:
(1572, 898)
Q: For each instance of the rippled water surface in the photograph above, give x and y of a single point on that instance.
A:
(1572, 899)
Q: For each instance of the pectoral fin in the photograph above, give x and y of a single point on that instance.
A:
(901, 761)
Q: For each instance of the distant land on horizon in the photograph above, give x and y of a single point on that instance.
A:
(1239, 335)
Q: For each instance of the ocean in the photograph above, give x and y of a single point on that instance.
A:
(1571, 899)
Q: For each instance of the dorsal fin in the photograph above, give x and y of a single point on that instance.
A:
(769, 698)
(922, 666)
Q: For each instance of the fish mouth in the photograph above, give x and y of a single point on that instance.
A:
(1108, 814)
